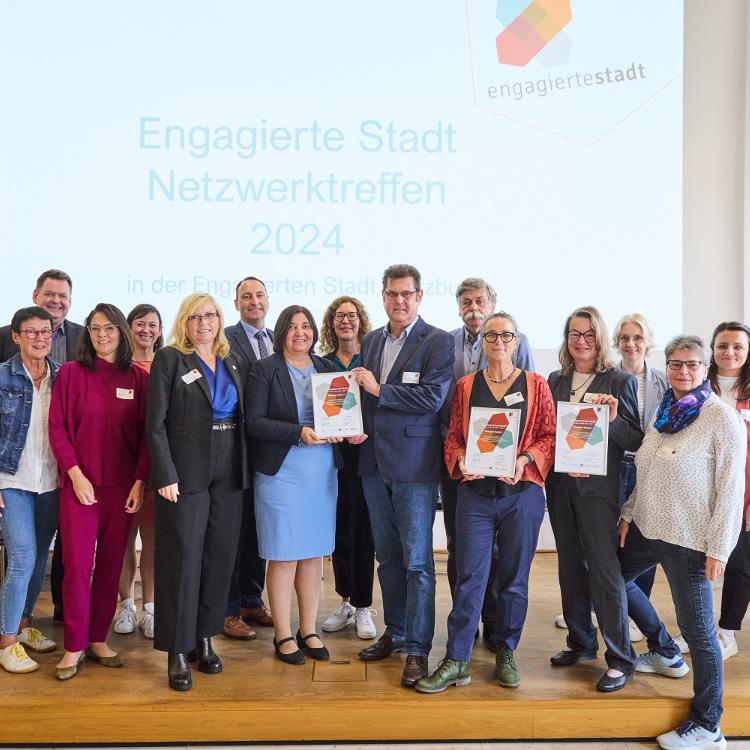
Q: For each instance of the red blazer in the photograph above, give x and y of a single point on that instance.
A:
(745, 405)
(538, 435)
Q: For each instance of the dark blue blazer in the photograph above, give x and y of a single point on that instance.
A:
(271, 413)
(403, 425)
(240, 343)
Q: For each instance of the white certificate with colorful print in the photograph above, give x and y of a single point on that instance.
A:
(492, 442)
(337, 406)
(581, 440)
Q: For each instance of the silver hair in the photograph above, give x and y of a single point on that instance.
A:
(693, 343)
(474, 283)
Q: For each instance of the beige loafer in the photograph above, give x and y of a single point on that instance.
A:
(105, 661)
(65, 673)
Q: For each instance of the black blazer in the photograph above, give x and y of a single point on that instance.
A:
(178, 421)
(240, 343)
(271, 413)
(8, 347)
(625, 432)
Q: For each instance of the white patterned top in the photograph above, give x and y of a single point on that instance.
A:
(690, 485)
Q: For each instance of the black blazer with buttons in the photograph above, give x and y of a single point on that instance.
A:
(271, 412)
(178, 421)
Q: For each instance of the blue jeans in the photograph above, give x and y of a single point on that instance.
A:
(402, 514)
(693, 600)
(627, 484)
(515, 520)
(29, 522)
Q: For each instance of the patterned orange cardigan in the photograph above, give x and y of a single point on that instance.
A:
(538, 436)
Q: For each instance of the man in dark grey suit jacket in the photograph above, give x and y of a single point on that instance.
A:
(252, 341)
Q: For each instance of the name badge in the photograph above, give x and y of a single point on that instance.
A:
(191, 376)
(513, 398)
(410, 377)
(745, 413)
(126, 393)
(588, 398)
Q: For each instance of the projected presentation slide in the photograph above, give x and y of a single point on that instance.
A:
(156, 149)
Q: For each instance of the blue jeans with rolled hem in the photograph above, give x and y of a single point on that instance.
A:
(29, 522)
(402, 514)
(693, 600)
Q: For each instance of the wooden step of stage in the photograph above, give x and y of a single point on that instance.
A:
(258, 698)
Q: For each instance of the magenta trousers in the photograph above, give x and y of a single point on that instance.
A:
(94, 539)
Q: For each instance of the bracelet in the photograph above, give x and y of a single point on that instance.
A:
(528, 455)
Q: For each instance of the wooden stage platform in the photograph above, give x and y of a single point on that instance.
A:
(258, 698)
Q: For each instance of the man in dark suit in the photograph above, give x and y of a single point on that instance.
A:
(252, 341)
(53, 292)
(406, 372)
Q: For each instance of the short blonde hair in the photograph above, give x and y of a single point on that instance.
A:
(638, 320)
(179, 339)
(604, 359)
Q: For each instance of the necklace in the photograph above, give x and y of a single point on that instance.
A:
(499, 382)
(573, 391)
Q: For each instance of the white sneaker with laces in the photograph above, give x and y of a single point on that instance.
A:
(727, 643)
(14, 659)
(654, 663)
(127, 620)
(560, 622)
(34, 639)
(342, 617)
(146, 623)
(365, 626)
(681, 643)
(634, 630)
(693, 736)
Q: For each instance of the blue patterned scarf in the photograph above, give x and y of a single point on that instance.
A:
(673, 415)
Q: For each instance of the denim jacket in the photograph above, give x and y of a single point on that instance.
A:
(16, 393)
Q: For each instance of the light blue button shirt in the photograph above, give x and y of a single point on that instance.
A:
(392, 348)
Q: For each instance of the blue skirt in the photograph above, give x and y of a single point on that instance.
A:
(295, 509)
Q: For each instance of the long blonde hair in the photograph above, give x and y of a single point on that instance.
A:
(604, 359)
(179, 339)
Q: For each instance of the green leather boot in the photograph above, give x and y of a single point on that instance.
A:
(449, 672)
(505, 667)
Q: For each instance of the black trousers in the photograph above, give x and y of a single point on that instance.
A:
(735, 595)
(56, 573)
(449, 498)
(196, 546)
(586, 538)
(354, 553)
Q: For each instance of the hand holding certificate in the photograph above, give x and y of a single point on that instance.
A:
(581, 440)
(337, 406)
(492, 442)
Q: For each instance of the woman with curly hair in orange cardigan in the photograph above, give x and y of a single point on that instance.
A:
(511, 507)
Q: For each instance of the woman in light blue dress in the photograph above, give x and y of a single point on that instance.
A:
(295, 481)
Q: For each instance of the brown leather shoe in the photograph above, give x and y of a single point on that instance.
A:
(414, 670)
(259, 615)
(234, 627)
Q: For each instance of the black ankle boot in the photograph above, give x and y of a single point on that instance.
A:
(208, 661)
(178, 671)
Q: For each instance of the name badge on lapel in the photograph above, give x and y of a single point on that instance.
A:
(126, 393)
(513, 398)
(588, 398)
(410, 377)
(191, 376)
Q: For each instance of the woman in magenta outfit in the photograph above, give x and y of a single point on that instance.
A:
(97, 433)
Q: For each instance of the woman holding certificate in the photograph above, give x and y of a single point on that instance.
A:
(583, 506)
(500, 443)
(295, 481)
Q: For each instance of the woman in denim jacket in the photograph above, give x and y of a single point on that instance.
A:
(28, 484)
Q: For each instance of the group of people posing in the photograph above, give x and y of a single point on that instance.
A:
(207, 446)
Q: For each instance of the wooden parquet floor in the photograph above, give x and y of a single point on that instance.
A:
(257, 698)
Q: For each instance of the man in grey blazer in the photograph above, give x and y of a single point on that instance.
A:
(252, 341)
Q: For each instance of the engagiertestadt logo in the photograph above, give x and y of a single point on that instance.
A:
(529, 29)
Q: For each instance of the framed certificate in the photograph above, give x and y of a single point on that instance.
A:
(581, 440)
(337, 406)
(492, 442)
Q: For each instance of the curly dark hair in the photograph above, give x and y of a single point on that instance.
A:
(329, 341)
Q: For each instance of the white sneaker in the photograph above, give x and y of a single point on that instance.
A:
(342, 617)
(15, 659)
(634, 630)
(692, 735)
(727, 643)
(126, 621)
(654, 663)
(365, 626)
(146, 623)
(34, 639)
(560, 622)
(681, 643)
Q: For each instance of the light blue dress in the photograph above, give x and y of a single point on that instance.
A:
(295, 509)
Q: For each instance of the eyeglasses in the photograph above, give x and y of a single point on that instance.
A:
(106, 330)
(206, 316)
(589, 336)
(677, 364)
(393, 296)
(341, 317)
(32, 333)
(505, 336)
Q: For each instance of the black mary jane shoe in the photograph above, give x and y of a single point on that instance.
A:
(609, 684)
(178, 671)
(208, 661)
(319, 654)
(296, 657)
